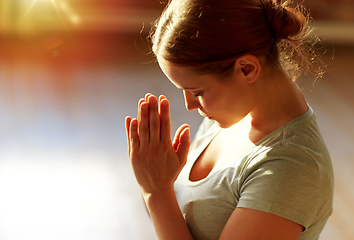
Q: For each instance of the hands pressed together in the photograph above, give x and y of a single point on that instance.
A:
(156, 161)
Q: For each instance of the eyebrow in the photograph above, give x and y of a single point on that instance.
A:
(186, 88)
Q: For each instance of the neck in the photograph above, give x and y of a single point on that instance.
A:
(279, 101)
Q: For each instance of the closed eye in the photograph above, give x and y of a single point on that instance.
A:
(197, 94)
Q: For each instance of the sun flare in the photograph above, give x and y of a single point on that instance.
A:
(64, 13)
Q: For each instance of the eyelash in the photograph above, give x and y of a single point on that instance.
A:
(197, 94)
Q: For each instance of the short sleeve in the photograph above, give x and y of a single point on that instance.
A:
(293, 187)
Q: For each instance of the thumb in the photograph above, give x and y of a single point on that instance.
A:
(183, 146)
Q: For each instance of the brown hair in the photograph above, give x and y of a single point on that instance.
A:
(210, 35)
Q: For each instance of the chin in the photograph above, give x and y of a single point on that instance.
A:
(223, 124)
(202, 113)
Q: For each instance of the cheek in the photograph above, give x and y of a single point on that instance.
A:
(211, 104)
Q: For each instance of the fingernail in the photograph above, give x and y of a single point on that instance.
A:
(164, 103)
(144, 106)
(152, 99)
(141, 100)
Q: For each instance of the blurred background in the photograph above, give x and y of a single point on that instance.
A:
(71, 70)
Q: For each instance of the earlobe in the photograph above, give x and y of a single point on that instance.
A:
(249, 67)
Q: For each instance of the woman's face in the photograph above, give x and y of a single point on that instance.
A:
(226, 100)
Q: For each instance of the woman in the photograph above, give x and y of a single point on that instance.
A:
(258, 167)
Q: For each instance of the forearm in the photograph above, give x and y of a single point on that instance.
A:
(166, 216)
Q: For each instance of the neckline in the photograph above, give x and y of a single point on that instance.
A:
(298, 119)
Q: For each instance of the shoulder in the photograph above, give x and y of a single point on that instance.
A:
(299, 140)
(290, 174)
(296, 150)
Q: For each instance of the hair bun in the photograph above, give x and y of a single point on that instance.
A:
(286, 22)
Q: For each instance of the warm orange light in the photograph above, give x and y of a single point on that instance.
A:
(44, 15)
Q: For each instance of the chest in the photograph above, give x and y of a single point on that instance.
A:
(227, 144)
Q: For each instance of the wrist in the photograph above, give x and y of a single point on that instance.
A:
(161, 192)
(158, 197)
(166, 215)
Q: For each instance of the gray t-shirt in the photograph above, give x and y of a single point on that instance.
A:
(288, 173)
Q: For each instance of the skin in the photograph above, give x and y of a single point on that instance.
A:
(266, 96)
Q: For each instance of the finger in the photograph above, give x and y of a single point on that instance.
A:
(127, 130)
(139, 112)
(161, 97)
(165, 121)
(183, 147)
(144, 125)
(139, 105)
(176, 139)
(141, 100)
(147, 96)
(154, 119)
(134, 137)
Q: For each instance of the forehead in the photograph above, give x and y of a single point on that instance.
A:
(184, 77)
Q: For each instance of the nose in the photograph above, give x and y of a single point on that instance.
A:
(191, 102)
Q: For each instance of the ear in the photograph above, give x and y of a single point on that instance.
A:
(248, 67)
